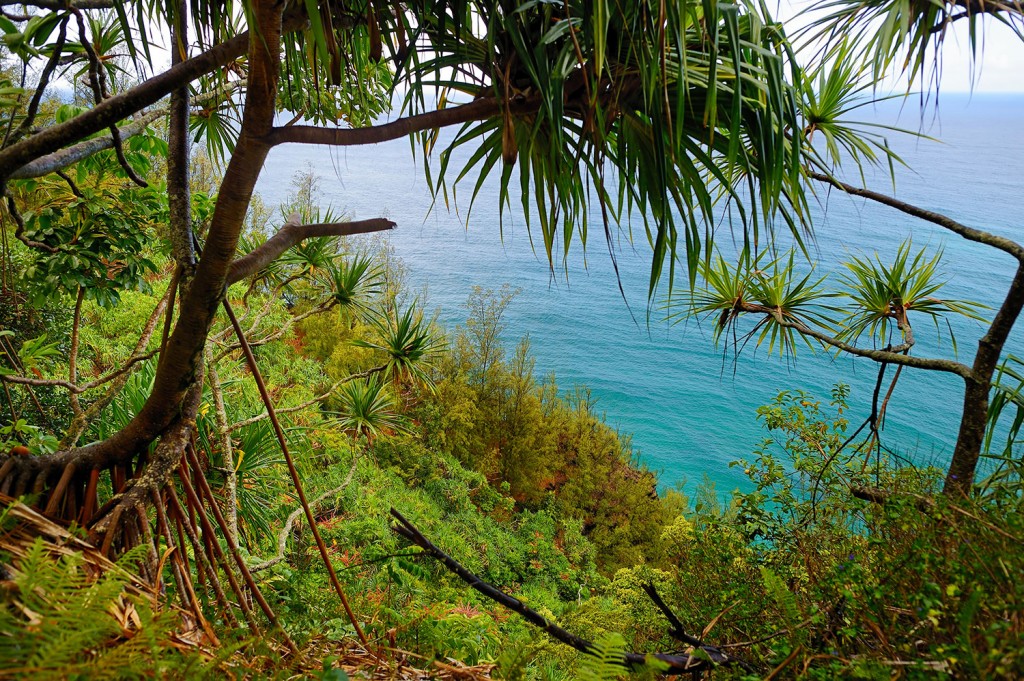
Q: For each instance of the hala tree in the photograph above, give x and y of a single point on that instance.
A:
(605, 111)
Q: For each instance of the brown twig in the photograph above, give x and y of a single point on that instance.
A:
(254, 368)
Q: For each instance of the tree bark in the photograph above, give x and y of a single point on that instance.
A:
(226, 450)
(178, 195)
(974, 421)
(293, 233)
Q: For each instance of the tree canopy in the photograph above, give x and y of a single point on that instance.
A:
(652, 118)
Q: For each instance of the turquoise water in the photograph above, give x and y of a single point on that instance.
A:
(689, 406)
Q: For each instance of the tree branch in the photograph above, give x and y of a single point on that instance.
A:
(969, 233)
(19, 226)
(678, 663)
(65, 157)
(292, 233)
(226, 449)
(678, 632)
(80, 423)
(282, 537)
(123, 105)
(61, 159)
(74, 388)
(893, 356)
(178, 153)
(44, 80)
(476, 110)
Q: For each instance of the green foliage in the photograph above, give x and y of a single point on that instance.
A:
(367, 408)
(60, 622)
(407, 342)
(605, 663)
(32, 354)
(1005, 418)
(840, 584)
(259, 468)
(682, 117)
(789, 307)
(833, 89)
(108, 337)
(776, 290)
(905, 38)
(354, 283)
(99, 241)
(551, 451)
(883, 296)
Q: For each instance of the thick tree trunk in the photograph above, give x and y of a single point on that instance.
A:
(168, 411)
(974, 420)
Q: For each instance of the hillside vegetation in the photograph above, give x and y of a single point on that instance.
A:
(523, 483)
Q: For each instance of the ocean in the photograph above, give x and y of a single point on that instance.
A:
(691, 407)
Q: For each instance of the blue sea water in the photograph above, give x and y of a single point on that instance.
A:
(688, 405)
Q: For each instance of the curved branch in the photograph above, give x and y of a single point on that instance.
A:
(74, 388)
(19, 226)
(293, 233)
(65, 157)
(969, 233)
(61, 159)
(80, 423)
(282, 537)
(476, 110)
(123, 105)
(894, 356)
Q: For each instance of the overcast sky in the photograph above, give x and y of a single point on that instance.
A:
(1000, 68)
(1001, 64)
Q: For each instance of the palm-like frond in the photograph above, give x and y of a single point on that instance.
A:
(775, 292)
(1005, 421)
(367, 408)
(831, 91)
(723, 293)
(257, 460)
(685, 106)
(905, 36)
(354, 282)
(883, 296)
(791, 298)
(313, 256)
(408, 343)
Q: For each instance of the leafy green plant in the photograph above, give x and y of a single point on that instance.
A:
(883, 296)
(96, 243)
(60, 622)
(353, 283)
(408, 344)
(367, 408)
(259, 484)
